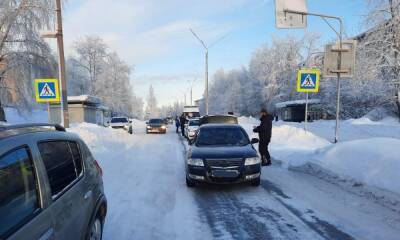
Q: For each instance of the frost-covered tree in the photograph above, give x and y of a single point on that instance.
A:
(151, 104)
(23, 54)
(95, 71)
(91, 52)
(380, 49)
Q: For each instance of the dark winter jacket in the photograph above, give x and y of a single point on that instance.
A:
(265, 129)
(182, 120)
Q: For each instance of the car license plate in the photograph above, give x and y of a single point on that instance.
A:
(225, 173)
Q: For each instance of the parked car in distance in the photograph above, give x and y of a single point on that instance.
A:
(121, 122)
(191, 128)
(222, 153)
(156, 125)
(227, 119)
(51, 186)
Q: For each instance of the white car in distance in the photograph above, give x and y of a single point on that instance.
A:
(121, 122)
(191, 128)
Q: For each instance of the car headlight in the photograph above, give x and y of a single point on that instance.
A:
(163, 127)
(252, 161)
(195, 162)
(148, 127)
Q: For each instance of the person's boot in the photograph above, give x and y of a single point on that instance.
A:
(269, 163)
(263, 161)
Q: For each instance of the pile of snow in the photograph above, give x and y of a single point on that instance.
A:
(374, 161)
(370, 154)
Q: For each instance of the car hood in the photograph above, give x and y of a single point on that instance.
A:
(223, 152)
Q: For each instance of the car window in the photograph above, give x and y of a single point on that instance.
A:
(194, 123)
(155, 121)
(119, 120)
(18, 193)
(76, 154)
(222, 137)
(60, 164)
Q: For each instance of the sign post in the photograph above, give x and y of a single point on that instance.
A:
(292, 14)
(308, 81)
(47, 91)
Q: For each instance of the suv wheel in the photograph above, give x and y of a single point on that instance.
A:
(95, 231)
(190, 183)
(256, 182)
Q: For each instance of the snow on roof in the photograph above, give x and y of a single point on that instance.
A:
(297, 102)
(84, 98)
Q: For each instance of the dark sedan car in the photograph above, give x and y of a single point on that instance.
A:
(156, 125)
(222, 153)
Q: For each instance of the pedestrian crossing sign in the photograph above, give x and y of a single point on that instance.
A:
(308, 80)
(47, 91)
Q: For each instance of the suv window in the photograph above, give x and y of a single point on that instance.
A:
(63, 163)
(19, 196)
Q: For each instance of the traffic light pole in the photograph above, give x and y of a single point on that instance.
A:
(339, 61)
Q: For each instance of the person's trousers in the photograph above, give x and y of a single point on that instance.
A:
(263, 149)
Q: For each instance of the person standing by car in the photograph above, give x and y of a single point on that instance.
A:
(182, 121)
(177, 124)
(264, 132)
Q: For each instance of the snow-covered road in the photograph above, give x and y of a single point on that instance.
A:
(145, 185)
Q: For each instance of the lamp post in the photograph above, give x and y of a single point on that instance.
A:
(58, 34)
(206, 48)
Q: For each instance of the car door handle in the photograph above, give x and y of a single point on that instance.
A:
(88, 194)
(48, 235)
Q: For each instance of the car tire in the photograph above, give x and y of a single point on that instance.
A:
(190, 183)
(95, 230)
(256, 182)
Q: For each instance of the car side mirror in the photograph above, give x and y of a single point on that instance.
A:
(254, 141)
(147, 122)
(130, 121)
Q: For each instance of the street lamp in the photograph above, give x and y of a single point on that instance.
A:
(58, 34)
(206, 48)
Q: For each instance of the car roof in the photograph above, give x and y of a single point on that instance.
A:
(7, 131)
(220, 125)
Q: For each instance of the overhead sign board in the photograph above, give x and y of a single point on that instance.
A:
(347, 62)
(47, 91)
(308, 80)
(286, 19)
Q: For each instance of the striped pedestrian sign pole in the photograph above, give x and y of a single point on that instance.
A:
(308, 81)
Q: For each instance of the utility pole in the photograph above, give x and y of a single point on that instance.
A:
(60, 43)
(206, 48)
(61, 62)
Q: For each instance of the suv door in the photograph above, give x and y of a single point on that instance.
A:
(63, 163)
(21, 211)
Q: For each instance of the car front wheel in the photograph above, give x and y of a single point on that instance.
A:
(190, 183)
(256, 182)
(95, 231)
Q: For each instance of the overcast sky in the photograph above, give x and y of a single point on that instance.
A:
(153, 35)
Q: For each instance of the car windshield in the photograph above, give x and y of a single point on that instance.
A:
(222, 136)
(194, 123)
(119, 120)
(155, 121)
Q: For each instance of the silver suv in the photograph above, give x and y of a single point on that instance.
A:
(51, 186)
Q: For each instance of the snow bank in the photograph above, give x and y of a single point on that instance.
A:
(372, 159)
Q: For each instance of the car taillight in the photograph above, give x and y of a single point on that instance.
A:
(98, 168)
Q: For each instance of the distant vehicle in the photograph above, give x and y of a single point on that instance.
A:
(224, 119)
(156, 125)
(191, 112)
(51, 186)
(191, 128)
(121, 122)
(222, 153)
